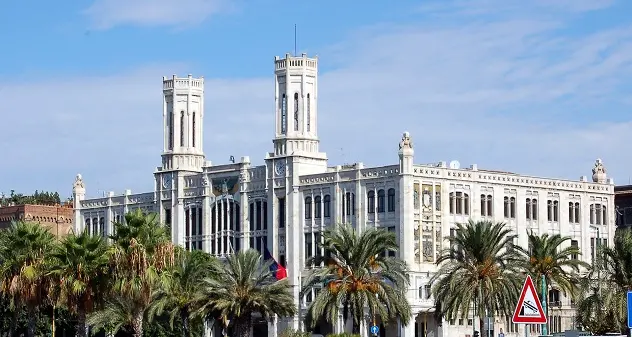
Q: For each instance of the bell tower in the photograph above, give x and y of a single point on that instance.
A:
(296, 102)
(183, 118)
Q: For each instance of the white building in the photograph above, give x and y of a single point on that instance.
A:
(287, 202)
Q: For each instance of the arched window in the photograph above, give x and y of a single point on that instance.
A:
(370, 205)
(308, 208)
(317, 207)
(102, 226)
(193, 131)
(182, 128)
(283, 113)
(531, 208)
(87, 227)
(309, 113)
(459, 203)
(598, 215)
(391, 200)
(95, 226)
(327, 206)
(380, 201)
(296, 111)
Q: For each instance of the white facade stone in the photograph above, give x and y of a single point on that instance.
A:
(285, 204)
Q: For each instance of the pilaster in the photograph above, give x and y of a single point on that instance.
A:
(406, 225)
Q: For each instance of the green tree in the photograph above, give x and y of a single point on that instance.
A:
(246, 287)
(24, 251)
(178, 295)
(604, 306)
(79, 265)
(139, 258)
(547, 256)
(356, 274)
(480, 268)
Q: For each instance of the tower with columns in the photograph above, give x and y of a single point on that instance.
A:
(183, 118)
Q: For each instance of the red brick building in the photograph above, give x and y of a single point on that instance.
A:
(58, 219)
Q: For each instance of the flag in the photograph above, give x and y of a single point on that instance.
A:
(279, 271)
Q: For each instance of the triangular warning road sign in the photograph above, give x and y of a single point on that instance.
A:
(529, 310)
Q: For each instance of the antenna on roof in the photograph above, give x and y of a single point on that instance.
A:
(295, 40)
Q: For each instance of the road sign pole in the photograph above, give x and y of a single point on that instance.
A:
(545, 331)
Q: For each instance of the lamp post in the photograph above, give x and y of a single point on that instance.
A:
(598, 244)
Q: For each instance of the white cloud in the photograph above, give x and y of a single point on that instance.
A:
(508, 93)
(106, 14)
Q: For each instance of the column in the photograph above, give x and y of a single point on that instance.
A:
(220, 234)
(206, 226)
(272, 326)
(244, 227)
(178, 225)
(216, 228)
(406, 330)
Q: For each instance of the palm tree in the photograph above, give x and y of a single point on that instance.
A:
(606, 310)
(246, 287)
(141, 255)
(548, 257)
(24, 251)
(178, 295)
(79, 264)
(480, 267)
(356, 274)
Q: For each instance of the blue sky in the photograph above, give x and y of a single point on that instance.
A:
(539, 87)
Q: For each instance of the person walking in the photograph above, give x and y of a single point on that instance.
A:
(501, 334)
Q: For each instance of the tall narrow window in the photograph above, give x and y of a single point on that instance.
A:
(327, 206)
(317, 207)
(296, 111)
(283, 113)
(370, 205)
(309, 113)
(182, 128)
(380, 201)
(391, 200)
(512, 205)
(170, 122)
(308, 208)
(281, 203)
(193, 130)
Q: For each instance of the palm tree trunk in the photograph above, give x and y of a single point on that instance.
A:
(32, 322)
(243, 325)
(184, 315)
(137, 325)
(82, 330)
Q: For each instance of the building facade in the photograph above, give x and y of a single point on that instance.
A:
(58, 219)
(286, 203)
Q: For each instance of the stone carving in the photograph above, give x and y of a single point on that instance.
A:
(438, 201)
(406, 142)
(599, 172)
(416, 199)
(78, 184)
(427, 199)
(204, 181)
